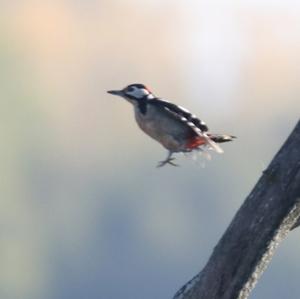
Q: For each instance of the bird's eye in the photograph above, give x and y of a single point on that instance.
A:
(130, 89)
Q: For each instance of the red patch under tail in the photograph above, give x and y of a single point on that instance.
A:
(195, 142)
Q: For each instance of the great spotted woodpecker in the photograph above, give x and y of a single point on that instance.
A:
(172, 126)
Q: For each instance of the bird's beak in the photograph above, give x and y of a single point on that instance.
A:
(116, 92)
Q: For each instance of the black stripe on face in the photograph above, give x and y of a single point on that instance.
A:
(141, 103)
(138, 94)
(133, 98)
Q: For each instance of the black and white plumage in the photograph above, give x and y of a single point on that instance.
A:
(173, 126)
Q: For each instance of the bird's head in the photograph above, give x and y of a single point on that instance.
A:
(134, 93)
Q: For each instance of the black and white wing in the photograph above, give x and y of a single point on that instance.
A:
(197, 125)
(182, 113)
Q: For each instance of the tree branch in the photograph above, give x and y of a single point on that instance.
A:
(268, 214)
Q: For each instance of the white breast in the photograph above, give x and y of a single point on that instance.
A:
(167, 131)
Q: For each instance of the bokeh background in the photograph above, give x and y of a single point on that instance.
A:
(84, 212)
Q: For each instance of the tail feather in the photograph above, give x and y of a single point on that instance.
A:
(212, 143)
(209, 139)
(220, 138)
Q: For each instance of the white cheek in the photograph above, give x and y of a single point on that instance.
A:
(138, 93)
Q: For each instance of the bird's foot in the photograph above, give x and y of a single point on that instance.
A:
(167, 161)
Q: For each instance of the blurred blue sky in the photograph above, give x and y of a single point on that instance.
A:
(84, 211)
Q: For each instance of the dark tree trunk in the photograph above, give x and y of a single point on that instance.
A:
(263, 221)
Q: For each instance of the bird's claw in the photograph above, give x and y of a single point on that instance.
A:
(167, 161)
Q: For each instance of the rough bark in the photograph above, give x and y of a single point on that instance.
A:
(270, 211)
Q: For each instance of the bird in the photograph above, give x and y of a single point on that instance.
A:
(173, 126)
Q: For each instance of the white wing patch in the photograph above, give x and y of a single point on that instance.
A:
(185, 110)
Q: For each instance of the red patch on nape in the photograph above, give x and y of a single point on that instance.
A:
(147, 89)
(195, 142)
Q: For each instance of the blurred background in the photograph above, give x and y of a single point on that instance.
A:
(84, 212)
